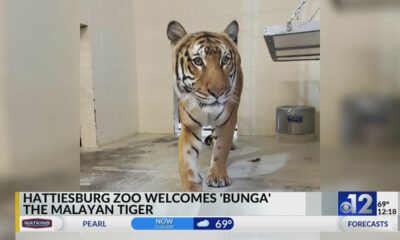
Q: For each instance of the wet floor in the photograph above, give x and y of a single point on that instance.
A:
(149, 163)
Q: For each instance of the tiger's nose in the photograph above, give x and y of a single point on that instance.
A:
(216, 92)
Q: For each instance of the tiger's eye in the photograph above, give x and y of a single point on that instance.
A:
(198, 61)
(225, 60)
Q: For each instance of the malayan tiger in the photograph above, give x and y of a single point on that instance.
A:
(208, 83)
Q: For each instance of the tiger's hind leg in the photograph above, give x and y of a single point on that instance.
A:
(189, 148)
(218, 173)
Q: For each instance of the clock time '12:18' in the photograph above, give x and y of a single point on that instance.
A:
(392, 211)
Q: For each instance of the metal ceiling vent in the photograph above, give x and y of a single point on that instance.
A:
(294, 41)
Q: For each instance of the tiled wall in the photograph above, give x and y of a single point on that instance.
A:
(132, 62)
(266, 84)
(87, 108)
(111, 30)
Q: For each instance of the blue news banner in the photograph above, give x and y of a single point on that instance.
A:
(357, 204)
(281, 212)
(366, 210)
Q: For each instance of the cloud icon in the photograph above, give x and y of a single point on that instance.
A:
(204, 223)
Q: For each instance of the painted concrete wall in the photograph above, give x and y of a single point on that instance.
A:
(111, 34)
(269, 84)
(39, 89)
(39, 103)
(366, 63)
(266, 84)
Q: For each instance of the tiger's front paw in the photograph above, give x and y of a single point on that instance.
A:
(218, 180)
(190, 186)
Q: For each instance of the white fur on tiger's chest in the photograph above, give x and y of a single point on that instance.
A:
(209, 115)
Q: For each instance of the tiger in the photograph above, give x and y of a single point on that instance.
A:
(208, 83)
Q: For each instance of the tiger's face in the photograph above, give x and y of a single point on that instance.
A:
(205, 65)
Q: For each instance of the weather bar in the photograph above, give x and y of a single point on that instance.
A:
(182, 223)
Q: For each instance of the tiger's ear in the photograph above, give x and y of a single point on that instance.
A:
(233, 30)
(175, 32)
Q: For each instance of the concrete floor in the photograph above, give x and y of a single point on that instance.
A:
(149, 163)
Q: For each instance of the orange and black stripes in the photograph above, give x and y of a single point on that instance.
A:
(208, 83)
(191, 131)
(203, 42)
(193, 119)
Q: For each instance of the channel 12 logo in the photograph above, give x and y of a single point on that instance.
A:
(357, 204)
